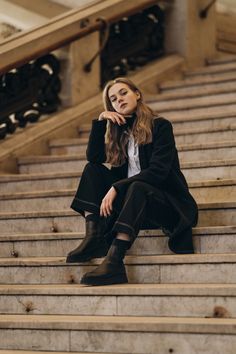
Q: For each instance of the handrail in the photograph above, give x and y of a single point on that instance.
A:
(62, 30)
(204, 12)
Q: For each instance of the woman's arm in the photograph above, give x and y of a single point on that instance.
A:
(96, 145)
(160, 163)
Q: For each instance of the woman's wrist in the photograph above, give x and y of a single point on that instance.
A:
(101, 117)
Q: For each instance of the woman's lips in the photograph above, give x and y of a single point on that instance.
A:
(123, 105)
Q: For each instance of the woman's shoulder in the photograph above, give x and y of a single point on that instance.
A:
(159, 121)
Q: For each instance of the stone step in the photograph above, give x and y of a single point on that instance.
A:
(198, 80)
(213, 169)
(37, 200)
(21, 183)
(170, 269)
(15, 351)
(165, 300)
(203, 135)
(212, 114)
(212, 69)
(227, 46)
(205, 118)
(198, 91)
(68, 146)
(213, 191)
(221, 60)
(205, 170)
(192, 103)
(211, 239)
(187, 152)
(210, 214)
(206, 151)
(121, 334)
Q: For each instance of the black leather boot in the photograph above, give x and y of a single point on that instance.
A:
(93, 245)
(112, 269)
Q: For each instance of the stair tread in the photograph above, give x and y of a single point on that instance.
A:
(15, 351)
(121, 289)
(222, 59)
(190, 146)
(198, 80)
(52, 175)
(212, 163)
(124, 323)
(217, 68)
(36, 176)
(196, 258)
(68, 141)
(198, 91)
(192, 102)
(55, 213)
(199, 230)
(221, 112)
(60, 158)
(71, 192)
(202, 113)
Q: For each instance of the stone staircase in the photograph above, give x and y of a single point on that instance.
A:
(184, 304)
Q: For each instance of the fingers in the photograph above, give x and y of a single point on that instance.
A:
(114, 117)
(106, 207)
(121, 119)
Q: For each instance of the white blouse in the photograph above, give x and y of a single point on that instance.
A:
(133, 157)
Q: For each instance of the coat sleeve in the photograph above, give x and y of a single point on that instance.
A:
(161, 160)
(96, 145)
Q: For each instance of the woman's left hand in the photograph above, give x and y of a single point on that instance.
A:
(106, 206)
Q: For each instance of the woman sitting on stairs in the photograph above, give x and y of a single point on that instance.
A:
(144, 188)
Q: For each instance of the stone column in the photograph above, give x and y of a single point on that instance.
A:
(77, 84)
(190, 35)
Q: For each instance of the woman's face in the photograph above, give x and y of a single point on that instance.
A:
(123, 99)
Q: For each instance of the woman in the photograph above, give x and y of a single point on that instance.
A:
(144, 188)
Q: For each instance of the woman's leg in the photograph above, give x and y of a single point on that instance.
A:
(143, 205)
(129, 221)
(95, 181)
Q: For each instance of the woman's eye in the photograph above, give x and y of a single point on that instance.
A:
(123, 93)
(113, 99)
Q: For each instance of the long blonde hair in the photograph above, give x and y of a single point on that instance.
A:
(116, 139)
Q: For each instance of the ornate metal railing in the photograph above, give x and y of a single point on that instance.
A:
(133, 41)
(134, 35)
(28, 92)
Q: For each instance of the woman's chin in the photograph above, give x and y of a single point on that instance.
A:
(127, 112)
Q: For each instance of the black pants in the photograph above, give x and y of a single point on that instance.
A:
(141, 207)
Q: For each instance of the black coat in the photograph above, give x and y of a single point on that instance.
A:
(160, 168)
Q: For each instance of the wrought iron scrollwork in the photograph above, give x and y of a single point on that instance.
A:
(133, 42)
(28, 92)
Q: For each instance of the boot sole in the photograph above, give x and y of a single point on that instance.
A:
(83, 259)
(118, 279)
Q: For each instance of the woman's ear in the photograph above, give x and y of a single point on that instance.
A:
(138, 95)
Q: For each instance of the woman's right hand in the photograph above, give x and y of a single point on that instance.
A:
(112, 116)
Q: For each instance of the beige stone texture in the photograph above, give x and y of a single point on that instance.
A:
(186, 33)
(198, 80)
(39, 340)
(196, 102)
(79, 85)
(210, 240)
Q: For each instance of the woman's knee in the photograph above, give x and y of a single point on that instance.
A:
(94, 166)
(138, 186)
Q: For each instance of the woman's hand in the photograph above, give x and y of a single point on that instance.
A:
(113, 116)
(106, 206)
